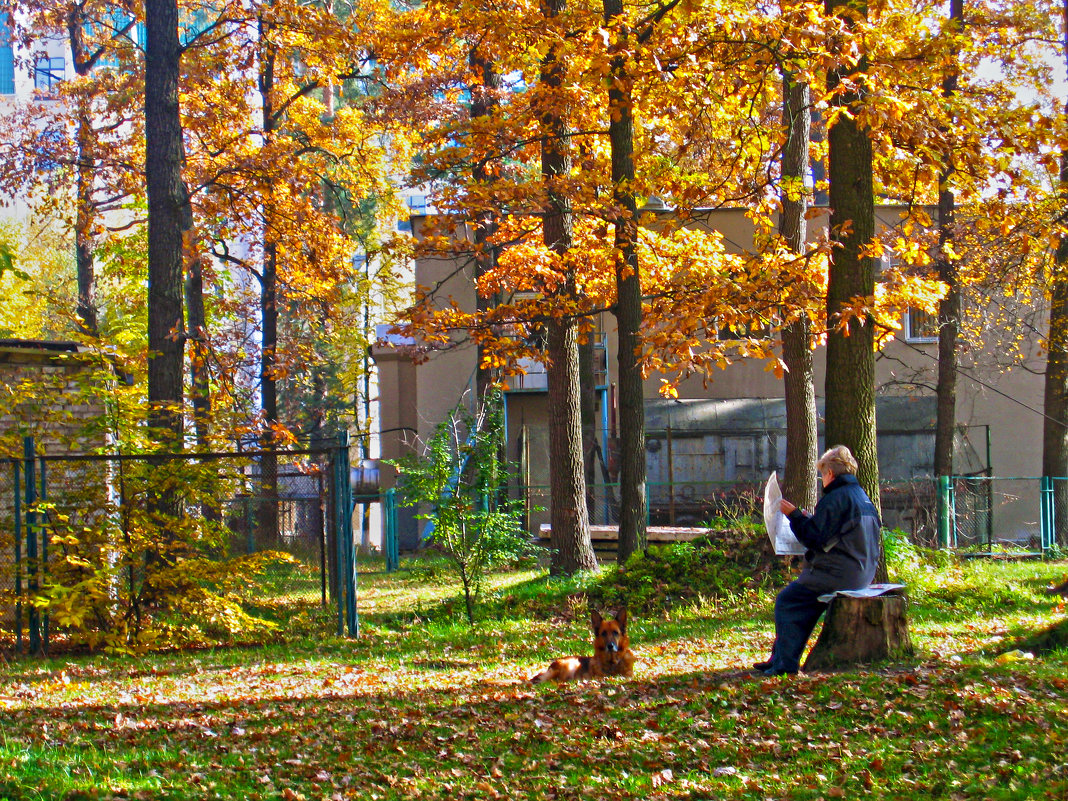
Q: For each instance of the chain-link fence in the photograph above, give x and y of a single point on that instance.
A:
(682, 504)
(912, 507)
(972, 514)
(115, 550)
(1000, 514)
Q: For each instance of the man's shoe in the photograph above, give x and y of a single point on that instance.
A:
(779, 672)
(761, 666)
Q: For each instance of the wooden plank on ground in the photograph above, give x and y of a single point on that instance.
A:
(653, 533)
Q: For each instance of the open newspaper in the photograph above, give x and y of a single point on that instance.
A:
(782, 538)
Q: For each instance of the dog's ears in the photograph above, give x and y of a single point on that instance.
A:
(620, 618)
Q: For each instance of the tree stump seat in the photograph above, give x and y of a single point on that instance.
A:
(862, 628)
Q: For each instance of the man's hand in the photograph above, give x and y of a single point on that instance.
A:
(786, 506)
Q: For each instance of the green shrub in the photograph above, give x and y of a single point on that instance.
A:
(715, 566)
(459, 477)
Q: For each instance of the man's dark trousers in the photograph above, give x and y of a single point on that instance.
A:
(796, 612)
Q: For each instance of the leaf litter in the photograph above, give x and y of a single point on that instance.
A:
(334, 719)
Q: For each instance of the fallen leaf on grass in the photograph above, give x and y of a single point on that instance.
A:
(663, 777)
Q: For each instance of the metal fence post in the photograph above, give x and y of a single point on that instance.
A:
(1046, 512)
(389, 520)
(947, 518)
(339, 540)
(349, 507)
(32, 566)
(347, 616)
(18, 557)
(321, 523)
(43, 495)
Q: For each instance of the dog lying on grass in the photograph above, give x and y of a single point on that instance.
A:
(611, 654)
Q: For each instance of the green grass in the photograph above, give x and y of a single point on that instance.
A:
(422, 706)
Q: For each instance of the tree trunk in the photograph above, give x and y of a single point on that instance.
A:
(83, 61)
(200, 387)
(83, 222)
(166, 218)
(572, 549)
(199, 382)
(861, 630)
(799, 484)
(948, 328)
(484, 90)
(949, 307)
(850, 383)
(1055, 423)
(267, 512)
(628, 311)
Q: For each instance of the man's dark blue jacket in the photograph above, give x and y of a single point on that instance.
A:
(842, 537)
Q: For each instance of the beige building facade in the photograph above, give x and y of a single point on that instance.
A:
(721, 439)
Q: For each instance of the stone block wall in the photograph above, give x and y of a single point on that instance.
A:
(45, 392)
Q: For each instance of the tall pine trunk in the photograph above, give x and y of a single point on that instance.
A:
(949, 307)
(799, 388)
(166, 218)
(572, 549)
(850, 382)
(628, 311)
(267, 513)
(1055, 423)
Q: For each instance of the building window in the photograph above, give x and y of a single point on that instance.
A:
(48, 73)
(7, 58)
(920, 326)
(535, 376)
(49, 143)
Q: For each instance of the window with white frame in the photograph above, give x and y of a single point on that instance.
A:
(920, 326)
(48, 72)
(535, 375)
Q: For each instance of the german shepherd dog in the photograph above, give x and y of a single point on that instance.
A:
(611, 654)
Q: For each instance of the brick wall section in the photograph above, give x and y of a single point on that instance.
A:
(44, 393)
